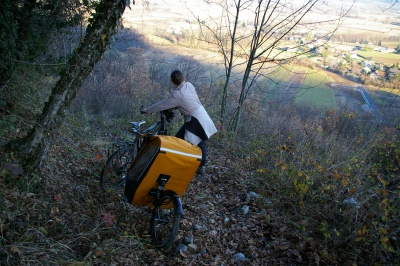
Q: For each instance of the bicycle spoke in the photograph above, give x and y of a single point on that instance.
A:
(113, 175)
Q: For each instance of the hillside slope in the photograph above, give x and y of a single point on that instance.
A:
(62, 218)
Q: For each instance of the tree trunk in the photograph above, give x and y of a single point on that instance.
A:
(228, 65)
(32, 150)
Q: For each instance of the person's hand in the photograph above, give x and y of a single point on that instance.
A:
(169, 115)
(143, 110)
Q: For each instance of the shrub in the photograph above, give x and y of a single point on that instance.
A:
(342, 191)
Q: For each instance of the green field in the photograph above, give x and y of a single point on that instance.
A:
(275, 83)
(385, 58)
(314, 91)
(306, 86)
(390, 44)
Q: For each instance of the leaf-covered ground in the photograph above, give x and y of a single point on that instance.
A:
(62, 218)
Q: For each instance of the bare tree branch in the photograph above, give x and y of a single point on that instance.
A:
(252, 48)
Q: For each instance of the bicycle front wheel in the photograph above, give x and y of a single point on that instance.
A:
(113, 175)
(164, 222)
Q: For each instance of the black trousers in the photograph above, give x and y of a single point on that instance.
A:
(202, 145)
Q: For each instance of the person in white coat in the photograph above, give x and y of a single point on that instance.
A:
(198, 126)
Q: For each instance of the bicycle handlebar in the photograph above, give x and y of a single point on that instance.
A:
(165, 115)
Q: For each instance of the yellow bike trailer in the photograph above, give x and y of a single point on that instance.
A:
(163, 160)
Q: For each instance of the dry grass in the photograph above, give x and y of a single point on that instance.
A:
(300, 173)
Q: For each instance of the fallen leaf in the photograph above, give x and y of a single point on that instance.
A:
(108, 218)
(15, 250)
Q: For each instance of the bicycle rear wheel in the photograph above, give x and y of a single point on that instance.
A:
(164, 222)
(113, 175)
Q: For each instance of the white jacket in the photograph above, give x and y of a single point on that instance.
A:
(198, 123)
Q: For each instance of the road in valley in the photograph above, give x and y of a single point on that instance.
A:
(370, 104)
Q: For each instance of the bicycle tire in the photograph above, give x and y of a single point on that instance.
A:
(113, 174)
(164, 223)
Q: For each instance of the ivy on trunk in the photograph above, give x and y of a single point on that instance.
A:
(32, 149)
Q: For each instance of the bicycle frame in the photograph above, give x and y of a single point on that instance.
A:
(158, 128)
(157, 193)
(122, 153)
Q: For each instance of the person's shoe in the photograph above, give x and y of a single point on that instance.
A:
(201, 170)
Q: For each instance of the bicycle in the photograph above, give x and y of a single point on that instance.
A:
(157, 178)
(122, 153)
(166, 204)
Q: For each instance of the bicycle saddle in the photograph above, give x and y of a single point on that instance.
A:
(136, 125)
